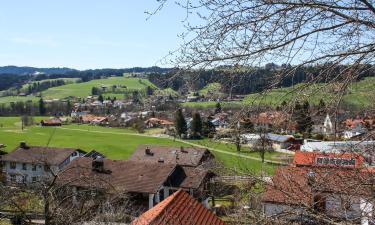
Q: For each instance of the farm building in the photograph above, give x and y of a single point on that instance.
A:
(51, 122)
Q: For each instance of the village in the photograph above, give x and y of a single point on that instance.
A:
(332, 154)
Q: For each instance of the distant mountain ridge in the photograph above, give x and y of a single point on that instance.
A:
(26, 70)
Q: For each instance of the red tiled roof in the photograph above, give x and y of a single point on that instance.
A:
(179, 208)
(302, 158)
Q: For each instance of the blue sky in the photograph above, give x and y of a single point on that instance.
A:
(86, 34)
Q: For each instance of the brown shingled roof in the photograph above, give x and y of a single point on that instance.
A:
(194, 177)
(38, 154)
(179, 208)
(174, 155)
(128, 176)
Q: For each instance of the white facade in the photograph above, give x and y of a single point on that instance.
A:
(26, 173)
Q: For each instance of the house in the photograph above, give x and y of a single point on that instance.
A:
(147, 182)
(91, 119)
(190, 157)
(272, 121)
(337, 193)
(325, 128)
(337, 146)
(158, 123)
(281, 141)
(28, 164)
(179, 208)
(51, 122)
(194, 162)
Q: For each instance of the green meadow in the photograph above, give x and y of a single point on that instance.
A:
(115, 143)
(83, 89)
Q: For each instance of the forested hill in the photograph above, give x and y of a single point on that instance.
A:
(12, 76)
(24, 70)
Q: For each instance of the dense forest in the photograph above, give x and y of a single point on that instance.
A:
(251, 80)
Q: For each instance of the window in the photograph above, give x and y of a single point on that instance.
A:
(46, 168)
(13, 165)
(34, 167)
(24, 166)
(319, 203)
(12, 178)
(34, 179)
(24, 179)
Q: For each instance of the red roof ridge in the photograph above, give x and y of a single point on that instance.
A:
(174, 208)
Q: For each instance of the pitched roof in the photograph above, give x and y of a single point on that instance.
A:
(291, 186)
(303, 158)
(179, 208)
(194, 177)
(118, 175)
(174, 155)
(38, 154)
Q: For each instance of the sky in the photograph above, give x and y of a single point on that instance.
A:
(87, 34)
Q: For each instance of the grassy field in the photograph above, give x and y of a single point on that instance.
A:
(115, 143)
(359, 94)
(210, 88)
(84, 89)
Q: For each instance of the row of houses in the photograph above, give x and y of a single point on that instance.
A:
(150, 175)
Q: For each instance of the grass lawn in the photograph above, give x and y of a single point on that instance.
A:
(212, 104)
(115, 143)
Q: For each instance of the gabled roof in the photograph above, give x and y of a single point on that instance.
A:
(38, 154)
(118, 175)
(194, 177)
(179, 208)
(291, 186)
(279, 137)
(182, 156)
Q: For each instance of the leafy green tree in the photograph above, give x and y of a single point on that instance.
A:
(42, 107)
(196, 125)
(180, 123)
(95, 91)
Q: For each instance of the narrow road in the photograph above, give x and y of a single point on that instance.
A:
(181, 141)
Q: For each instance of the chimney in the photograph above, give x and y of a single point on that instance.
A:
(98, 165)
(182, 149)
(23, 145)
(148, 151)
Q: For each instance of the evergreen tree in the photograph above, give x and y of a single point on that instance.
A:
(301, 115)
(94, 91)
(321, 107)
(149, 91)
(42, 107)
(180, 123)
(196, 125)
(218, 108)
(100, 98)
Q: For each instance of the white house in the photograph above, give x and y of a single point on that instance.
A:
(28, 164)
